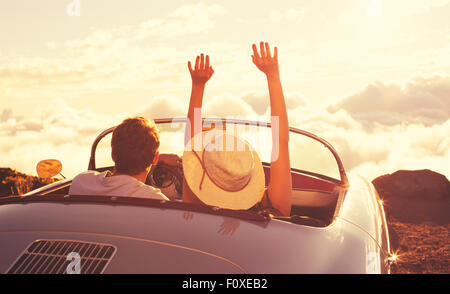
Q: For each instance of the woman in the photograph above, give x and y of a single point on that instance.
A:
(244, 166)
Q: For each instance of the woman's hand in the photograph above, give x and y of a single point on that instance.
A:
(202, 71)
(188, 215)
(264, 61)
(229, 226)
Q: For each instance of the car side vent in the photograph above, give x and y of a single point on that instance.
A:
(63, 256)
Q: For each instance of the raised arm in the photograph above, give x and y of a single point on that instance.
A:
(200, 74)
(280, 186)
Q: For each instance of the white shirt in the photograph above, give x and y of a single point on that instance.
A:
(95, 183)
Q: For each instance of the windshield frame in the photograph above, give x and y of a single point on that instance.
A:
(343, 182)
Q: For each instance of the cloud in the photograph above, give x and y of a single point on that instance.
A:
(163, 107)
(403, 155)
(291, 14)
(50, 45)
(386, 127)
(422, 100)
(370, 152)
(13, 126)
(57, 130)
(119, 57)
(379, 129)
(7, 113)
(187, 19)
(259, 101)
(199, 10)
(227, 105)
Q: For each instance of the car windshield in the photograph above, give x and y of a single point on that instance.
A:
(307, 154)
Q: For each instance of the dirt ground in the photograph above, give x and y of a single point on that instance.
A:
(422, 248)
(417, 205)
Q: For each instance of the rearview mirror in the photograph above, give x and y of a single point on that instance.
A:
(49, 168)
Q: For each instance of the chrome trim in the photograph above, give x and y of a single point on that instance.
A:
(46, 189)
(312, 190)
(137, 201)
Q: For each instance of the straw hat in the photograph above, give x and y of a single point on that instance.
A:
(223, 170)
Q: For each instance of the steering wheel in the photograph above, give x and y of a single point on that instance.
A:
(168, 178)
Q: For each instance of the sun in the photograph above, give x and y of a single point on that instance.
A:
(374, 8)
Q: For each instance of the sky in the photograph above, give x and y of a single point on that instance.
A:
(370, 76)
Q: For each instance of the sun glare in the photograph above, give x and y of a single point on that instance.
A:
(374, 8)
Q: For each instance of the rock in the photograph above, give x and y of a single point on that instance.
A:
(13, 182)
(415, 196)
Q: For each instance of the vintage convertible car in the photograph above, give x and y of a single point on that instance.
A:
(337, 223)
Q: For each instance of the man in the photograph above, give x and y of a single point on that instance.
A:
(135, 144)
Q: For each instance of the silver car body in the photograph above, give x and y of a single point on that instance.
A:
(152, 239)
